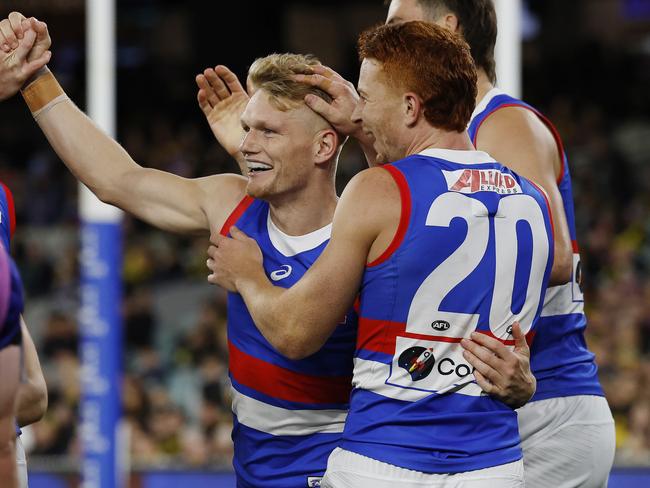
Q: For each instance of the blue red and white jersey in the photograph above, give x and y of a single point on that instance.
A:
(561, 361)
(7, 216)
(288, 415)
(10, 330)
(11, 301)
(473, 252)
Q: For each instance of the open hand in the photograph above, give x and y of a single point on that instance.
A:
(223, 99)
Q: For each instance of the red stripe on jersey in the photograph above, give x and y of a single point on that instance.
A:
(236, 214)
(12, 210)
(546, 122)
(405, 216)
(574, 244)
(284, 384)
(381, 335)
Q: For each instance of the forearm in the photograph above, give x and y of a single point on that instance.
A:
(92, 156)
(272, 314)
(8, 453)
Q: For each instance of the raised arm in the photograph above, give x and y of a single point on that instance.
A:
(533, 153)
(298, 320)
(164, 200)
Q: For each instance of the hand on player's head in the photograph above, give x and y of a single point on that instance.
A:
(344, 98)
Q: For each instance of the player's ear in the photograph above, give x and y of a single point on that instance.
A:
(450, 22)
(412, 108)
(326, 145)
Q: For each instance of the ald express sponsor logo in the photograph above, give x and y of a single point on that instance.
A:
(420, 361)
(475, 180)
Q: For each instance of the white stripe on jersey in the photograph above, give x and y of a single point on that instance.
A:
(564, 299)
(373, 376)
(281, 421)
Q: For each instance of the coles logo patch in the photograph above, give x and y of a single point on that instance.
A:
(475, 180)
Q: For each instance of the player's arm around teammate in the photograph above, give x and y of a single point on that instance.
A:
(366, 219)
(162, 199)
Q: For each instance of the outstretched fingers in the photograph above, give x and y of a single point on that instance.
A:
(217, 84)
(230, 79)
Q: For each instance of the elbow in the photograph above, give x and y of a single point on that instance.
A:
(294, 348)
(104, 194)
(294, 343)
(31, 407)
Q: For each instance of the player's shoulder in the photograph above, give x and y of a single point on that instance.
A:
(222, 194)
(516, 123)
(369, 198)
(373, 183)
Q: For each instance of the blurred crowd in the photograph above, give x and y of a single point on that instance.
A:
(175, 385)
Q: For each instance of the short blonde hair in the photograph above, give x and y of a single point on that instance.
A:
(273, 74)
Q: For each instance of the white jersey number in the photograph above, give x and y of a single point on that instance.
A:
(425, 307)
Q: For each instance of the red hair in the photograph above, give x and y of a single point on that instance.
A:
(430, 61)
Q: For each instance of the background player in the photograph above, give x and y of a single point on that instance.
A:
(415, 236)
(10, 309)
(31, 398)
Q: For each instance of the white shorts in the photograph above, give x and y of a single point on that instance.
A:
(21, 463)
(568, 442)
(347, 469)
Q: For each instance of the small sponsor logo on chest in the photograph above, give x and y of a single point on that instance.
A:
(279, 274)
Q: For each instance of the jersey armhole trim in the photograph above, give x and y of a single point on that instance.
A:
(545, 121)
(405, 215)
(548, 207)
(12, 210)
(236, 214)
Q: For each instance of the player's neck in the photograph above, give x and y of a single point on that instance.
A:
(483, 85)
(306, 210)
(440, 139)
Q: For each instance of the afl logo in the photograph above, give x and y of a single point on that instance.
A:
(440, 325)
(417, 361)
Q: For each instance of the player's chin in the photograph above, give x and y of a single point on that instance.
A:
(256, 189)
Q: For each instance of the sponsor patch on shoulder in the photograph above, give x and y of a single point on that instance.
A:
(475, 180)
(314, 481)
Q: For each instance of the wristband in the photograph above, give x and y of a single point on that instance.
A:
(43, 94)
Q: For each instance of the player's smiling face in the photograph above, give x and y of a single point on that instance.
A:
(278, 147)
(379, 111)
